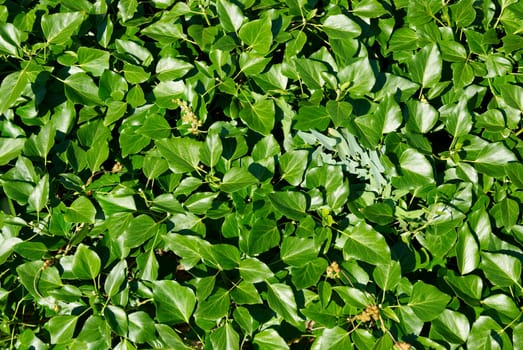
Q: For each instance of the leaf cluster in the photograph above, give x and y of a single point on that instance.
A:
(219, 174)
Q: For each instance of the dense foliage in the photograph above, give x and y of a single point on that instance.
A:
(261, 174)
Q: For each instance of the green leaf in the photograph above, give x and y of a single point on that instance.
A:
(225, 337)
(36, 280)
(10, 39)
(212, 150)
(236, 179)
(174, 303)
(10, 149)
(141, 327)
(117, 319)
(281, 299)
(38, 198)
(450, 326)
(182, 154)
(166, 92)
(366, 244)
(426, 66)
(80, 88)
(58, 28)
(312, 117)
(116, 278)
(94, 61)
(254, 271)
(211, 310)
(296, 251)
(341, 27)
(245, 293)
(369, 9)
(467, 251)
(422, 116)
(309, 273)
(170, 68)
(427, 301)
(291, 204)
(503, 305)
(492, 159)
(380, 213)
(357, 77)
(61, 329)
(269, 339)
(463, 13)
(259, 116)
(230, 15)
(506, 213)
(501, 269)
(81, 210)
(257, 35)
(515, 174)
(86, 263)
(293, 165)
(387, 276)
(333, 339)
(12, 88)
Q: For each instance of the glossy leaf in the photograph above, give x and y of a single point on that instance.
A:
(174, 303)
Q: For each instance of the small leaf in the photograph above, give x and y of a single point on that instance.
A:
(296, 251)
(211, 152)
(269, 339)
(117, 319)
(333, 339)
(293, 165)
(10, 39)
(38, 198)
(86, 263)
(230, 15)
(450, 326)
(225, 337)
(141, 327)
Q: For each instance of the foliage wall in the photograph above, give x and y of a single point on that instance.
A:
(261, 174)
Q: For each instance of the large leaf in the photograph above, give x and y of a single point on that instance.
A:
(291, 204)
(501, 269)
(257, 35)
(182, 154)
(426, 66)
(59, 27)
(281, 299)
(174, 303)
(236, 179)
(80, 88)
(86, 263)
(427, 301)
(259, 116)
(366, 244)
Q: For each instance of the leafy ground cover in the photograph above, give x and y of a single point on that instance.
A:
(261, 174)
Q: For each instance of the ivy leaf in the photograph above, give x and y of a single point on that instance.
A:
(230, 15)
(341, 27)
(281, 299)
(174, 303)
(236, 179)
(80, 88)
(291, 204)
(259, 116)
(366, 244)
(427, 301)
(333, 339)
(182, 154)
(257, 35)
(501, 269)
(86, 263)
(61, 328)
(81, 210)
(59, 27)
(426, 66)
